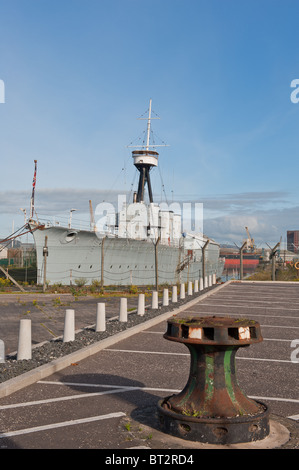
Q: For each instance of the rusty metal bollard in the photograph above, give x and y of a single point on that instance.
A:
(212, 408)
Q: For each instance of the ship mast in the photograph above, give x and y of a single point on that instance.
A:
(33, 191)
(145, 160)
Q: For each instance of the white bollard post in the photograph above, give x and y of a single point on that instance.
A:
(195, 286)
(201, 284)
(140, 307)
(101, 317)
(165, 298)
(210, 280)
(123, 310)
(214, 279)
(69, 326)
(182, 291)
(155, 303)
(206, 284)
(189, 288)
(24, 345)
(174, 297)
(2, 351)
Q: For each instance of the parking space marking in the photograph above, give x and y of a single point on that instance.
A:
(211, 304)
(71, 397)
(123, 387)
(256, 314)
(233, 298)
(187, 354)
(265, 339)
(294, 417)
(72, 422)
(118, 389)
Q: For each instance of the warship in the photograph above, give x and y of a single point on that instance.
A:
(139, 244)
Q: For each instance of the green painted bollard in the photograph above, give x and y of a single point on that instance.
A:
(212, 408)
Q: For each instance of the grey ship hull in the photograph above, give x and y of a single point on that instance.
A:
(79, 254)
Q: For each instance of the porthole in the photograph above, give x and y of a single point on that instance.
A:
(70, 236)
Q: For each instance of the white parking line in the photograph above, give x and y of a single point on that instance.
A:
(242, 298)
(239, 314)
(71, 397)
(73, 422)
(294, 417)
(211, 304)
(119, 389)
(265, 339)
(187, 354)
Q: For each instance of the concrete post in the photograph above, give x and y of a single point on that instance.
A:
(201, 284)
(165, 298)
(174, 297)
(206, 283)
(2, 351)
(155, 303)
(210, 280)
(101, 317)
(24, 344)
(69, 326)
(195, 286)
(182, 291)
(123, 310)
(190, 288)
(141, 305)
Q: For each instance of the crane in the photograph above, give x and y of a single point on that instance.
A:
(250, 239)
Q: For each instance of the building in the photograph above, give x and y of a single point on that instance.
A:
(293, 241)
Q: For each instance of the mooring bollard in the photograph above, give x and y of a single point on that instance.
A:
(2, 351)
(24, 343)
(189, 288)
(174, 297)
(182, 291)
(201, 284)
(123, 310)
(101, 317)
(195, 286)
(212, 408)
(141, 305)
(69, 326)
(155, 303)
(165, 301)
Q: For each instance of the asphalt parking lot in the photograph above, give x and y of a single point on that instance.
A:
(108, 400)
(47, 312)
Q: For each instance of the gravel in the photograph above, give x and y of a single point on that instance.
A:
(54, 349)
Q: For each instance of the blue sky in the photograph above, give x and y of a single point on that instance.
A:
(78, 73)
